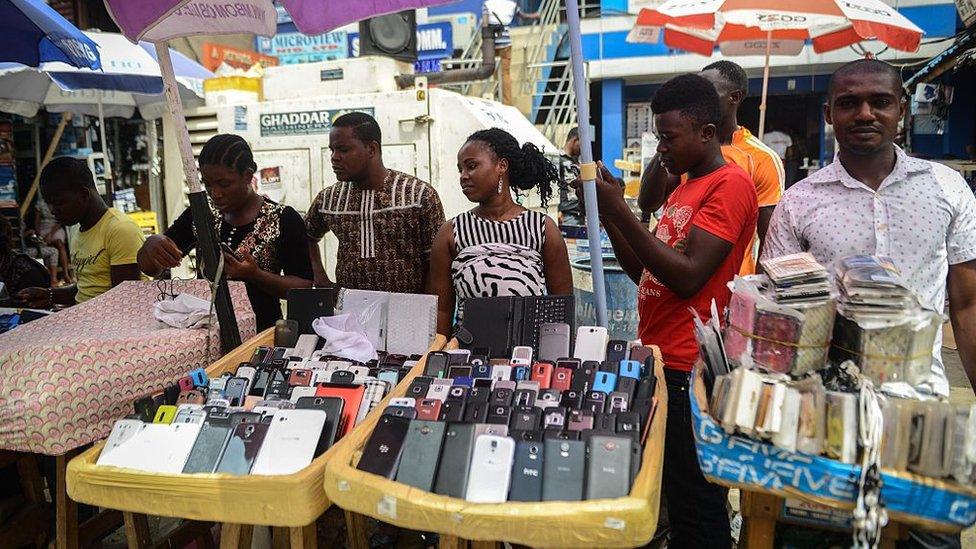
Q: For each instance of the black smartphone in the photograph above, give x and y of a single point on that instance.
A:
(527, 471)
(563, 470)
(229, 251)
(616, 351)
(479, 394)
(452, 410)
(437, 363)
(555, 418)
(525, 418)
(571, 399)
(481, 370)
(629, 424)
(524, 397)
(595, 401)
(418, 387)
(502, 397)
(421, 451)
(452, 473)
(457, 392)
(381, 455)
(476, 412)
(332, 406)
(405, 412)
(498, 414)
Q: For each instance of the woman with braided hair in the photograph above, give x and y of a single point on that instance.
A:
(263, 241)
(498, 248)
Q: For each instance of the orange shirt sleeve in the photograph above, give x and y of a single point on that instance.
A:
(770, 178)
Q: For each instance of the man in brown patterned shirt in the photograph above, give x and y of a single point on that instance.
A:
(385, 220)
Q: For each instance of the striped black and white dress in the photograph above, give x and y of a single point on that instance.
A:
(498, 258)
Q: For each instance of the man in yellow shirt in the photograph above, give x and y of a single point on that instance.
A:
(739, 146)
(104, 252)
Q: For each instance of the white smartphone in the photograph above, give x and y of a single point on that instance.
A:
(438, 391)
(501, 373)
(319, 376)
(406, 402)
(190, 413)
(361, 372)
(247, 372)
(491, 469)
(522, 355)
(316, 364)
(591, 343)
(300, 391)
(307, 344)
(338, 365)
(122, 432)
(290, 443)
(553, 341)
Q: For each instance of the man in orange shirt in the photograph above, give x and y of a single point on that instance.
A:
(739, 147)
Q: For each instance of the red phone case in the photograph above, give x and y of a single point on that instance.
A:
(352, 398)
(428, 409)
(542, 373)
(300, 378)
(185, 383)
(562, 378)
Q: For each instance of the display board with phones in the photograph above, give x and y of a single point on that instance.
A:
(522, 428)
(272, 416)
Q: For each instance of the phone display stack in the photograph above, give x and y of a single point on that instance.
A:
(528, 432)
(272, 416)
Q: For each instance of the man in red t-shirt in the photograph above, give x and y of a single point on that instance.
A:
(697, 248)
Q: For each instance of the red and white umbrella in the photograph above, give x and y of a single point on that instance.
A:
(699, 26)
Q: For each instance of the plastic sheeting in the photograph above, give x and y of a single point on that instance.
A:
(622, 522)
(282, 500)
(741, 462)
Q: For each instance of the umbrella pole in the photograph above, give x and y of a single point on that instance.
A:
(110, 190)
(587, 166)
(52, 146)
(207, 239)
(765, 89)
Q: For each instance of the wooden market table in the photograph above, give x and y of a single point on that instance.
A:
(69, 376)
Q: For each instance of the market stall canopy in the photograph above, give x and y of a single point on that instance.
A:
(33, 33)
(130, 78)
(162, 20)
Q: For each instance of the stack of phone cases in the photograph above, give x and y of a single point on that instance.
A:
(520, 429)
(930, 438)
(273, 416)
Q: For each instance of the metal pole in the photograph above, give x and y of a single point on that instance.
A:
(207, 240)
(762, 104)
(587, 167)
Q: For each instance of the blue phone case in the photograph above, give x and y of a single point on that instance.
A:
(605, 382)
(464, 381)
(520, 373)
(481, 370)
(630, 368)
(199, 377)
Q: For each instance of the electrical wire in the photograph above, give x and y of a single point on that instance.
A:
(869, 516)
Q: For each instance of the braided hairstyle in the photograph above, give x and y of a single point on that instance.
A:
(228, 150)
(528, 168)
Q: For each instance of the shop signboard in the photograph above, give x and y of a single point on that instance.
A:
(216, 54)
(435, 41)
(967, 11)
(314, 122)
(295, 47)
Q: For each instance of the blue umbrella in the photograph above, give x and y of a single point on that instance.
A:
(31, 33)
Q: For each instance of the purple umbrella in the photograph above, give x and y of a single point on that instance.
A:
(160, 20)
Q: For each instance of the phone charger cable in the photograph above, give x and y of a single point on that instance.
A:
(870, 515)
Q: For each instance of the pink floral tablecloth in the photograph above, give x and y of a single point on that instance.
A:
(66, 378)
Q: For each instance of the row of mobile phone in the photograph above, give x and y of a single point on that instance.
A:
(481, 463)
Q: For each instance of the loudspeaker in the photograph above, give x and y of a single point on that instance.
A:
(393, 35)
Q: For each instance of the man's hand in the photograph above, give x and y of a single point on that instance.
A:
(159, 253)
(240, 269)
(609, 192)
(35, 298)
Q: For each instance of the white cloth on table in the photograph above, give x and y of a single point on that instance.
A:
(344, 337)
(186, 311)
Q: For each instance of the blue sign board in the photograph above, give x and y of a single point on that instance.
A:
(295, 47)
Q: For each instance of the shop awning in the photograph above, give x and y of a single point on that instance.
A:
(960, 53)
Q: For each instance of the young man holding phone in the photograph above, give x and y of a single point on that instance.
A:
(697, 248)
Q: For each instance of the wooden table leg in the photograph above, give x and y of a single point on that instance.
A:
(66, 527)
(356, 537)
(483, 544)
(451, 542)
(759, 514)
(279, 537)
(235, 536)
(136, 530)
(302, 537)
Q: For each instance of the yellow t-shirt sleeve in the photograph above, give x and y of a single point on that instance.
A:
(770, 179)
(123, 240)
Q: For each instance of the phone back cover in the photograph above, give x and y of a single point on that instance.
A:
(452, 474)
(527, 471)
(562, 478)
(421, 451)
(242, 448)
